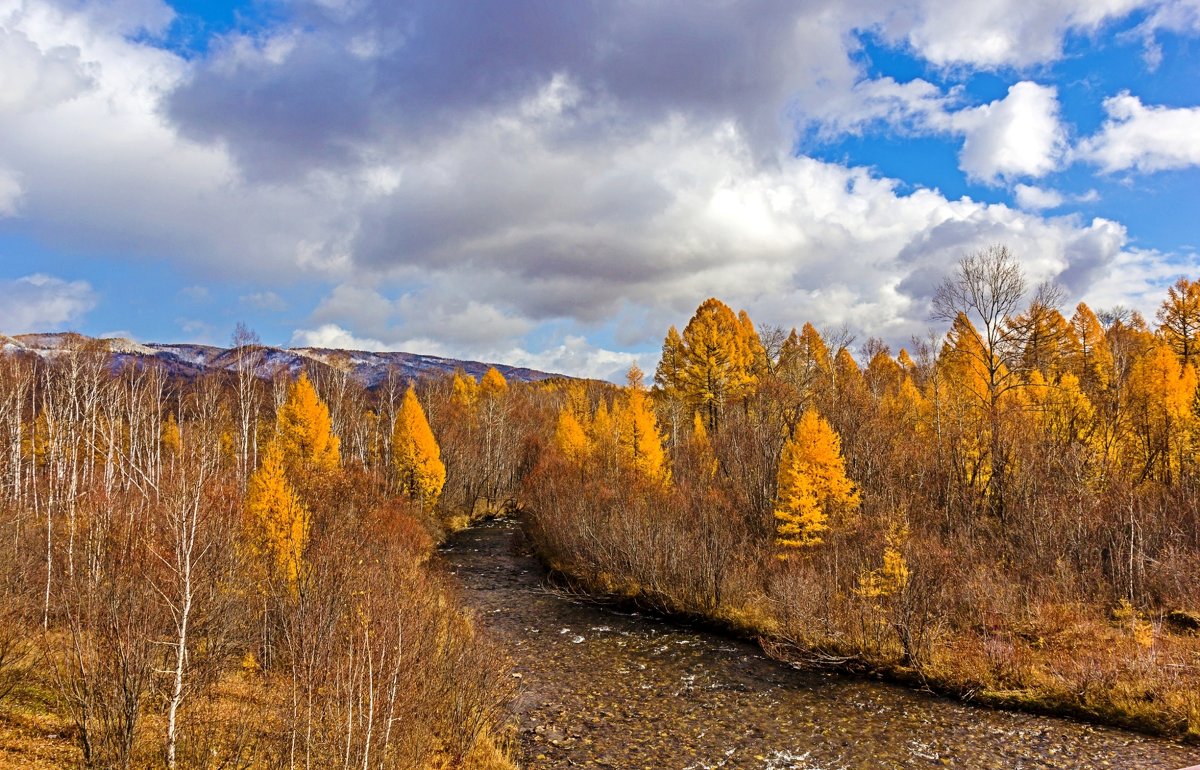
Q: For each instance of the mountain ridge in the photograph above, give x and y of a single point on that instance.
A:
(369, 368)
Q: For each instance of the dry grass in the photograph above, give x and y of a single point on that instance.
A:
(32, 736)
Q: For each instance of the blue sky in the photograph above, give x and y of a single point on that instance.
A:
(552, 184)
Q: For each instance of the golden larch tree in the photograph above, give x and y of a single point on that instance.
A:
(718, 359)
(304, 431)
(668, 375)
(812, 484)
(493, 383)
(638, 439)
(464, 390)
(277, 522)
(1161, 394)
(415, 453)
(571, 438)
(1093, 360)
(1179, 320)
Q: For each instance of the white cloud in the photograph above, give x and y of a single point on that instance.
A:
(1033, 198)
(264, 300)
(94, 66)
(457, 206)
(35, 77)
(577, 357)
(1004, 33)
(1019, 135)
(42, 303)
(10, 194)
(196, 294)
(1144, 138)
(1138, 279)
(333, 336)
(1180, 16)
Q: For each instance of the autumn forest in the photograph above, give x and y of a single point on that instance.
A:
(239, 569)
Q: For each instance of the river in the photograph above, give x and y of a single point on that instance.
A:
(607, 688)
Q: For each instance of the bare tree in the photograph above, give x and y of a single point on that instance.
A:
(986, 288)
(247, 357)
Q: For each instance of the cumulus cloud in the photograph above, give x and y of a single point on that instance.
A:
(577, 357)
(42, 303)
(1033, 198)
(1019, 135)
(69, 66)
(997, 34)
(335, 337)
(604, 168)
(35, 77)
(1145, 138)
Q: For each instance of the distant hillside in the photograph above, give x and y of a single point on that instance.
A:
(369, 369)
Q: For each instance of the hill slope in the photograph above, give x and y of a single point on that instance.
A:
(186, 360)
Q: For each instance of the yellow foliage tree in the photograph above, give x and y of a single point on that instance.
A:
(493, 383)
(276, 521)
(892, 577)
(171, 439)
(668, 376)
(304, 431)
(812, 484)
(415, 453)
(571, 438)
(638, 439)
(718, 359)
(1048, 340)
(1179, 320)
(1161, 393)
(1093, 360)
(464, 390)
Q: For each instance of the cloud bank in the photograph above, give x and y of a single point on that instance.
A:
(551, 181)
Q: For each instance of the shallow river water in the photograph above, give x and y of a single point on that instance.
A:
(602, 688)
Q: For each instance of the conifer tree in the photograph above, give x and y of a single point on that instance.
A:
(415, 453)
(493, 383)
(639, 441)
(305, 432)
(1161, 395)
(1093, 360)
(668, 376)
(718, 359)
(812, 484)
(464, 390)
(276, 521)
(570, 437)
(1179, 320)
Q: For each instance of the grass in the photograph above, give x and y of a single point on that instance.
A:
(32, 735)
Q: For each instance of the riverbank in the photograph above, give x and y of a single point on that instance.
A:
(1064, 665)
(608, 686)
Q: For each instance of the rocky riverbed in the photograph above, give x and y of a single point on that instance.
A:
(607, 688)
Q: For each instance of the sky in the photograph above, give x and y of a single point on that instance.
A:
(552, 184)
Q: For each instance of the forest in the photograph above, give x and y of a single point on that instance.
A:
(237, 569)
(1007, 513)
